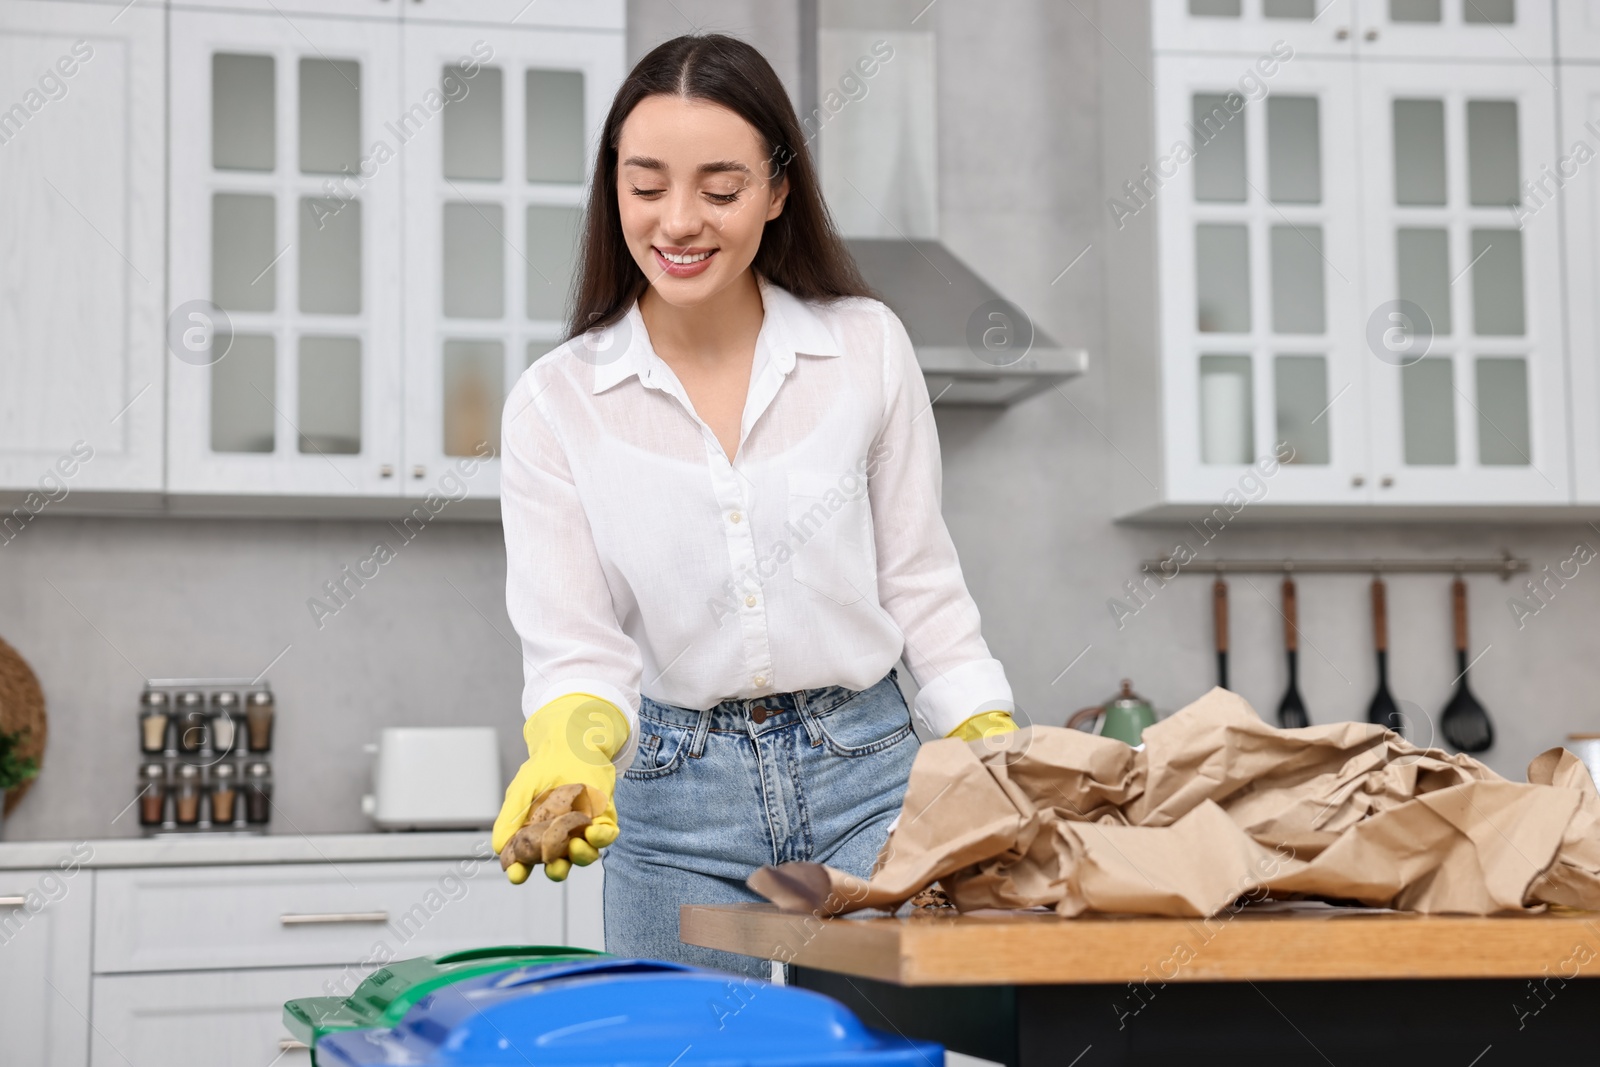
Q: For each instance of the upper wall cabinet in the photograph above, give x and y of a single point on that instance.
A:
(494, 197)
(1359, 301)
(285, 210)
(82, 225)
(1454, 29)
(374, 224)
(1574, 172)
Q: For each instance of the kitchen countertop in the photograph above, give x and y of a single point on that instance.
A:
(190, 850)
(1266, 944)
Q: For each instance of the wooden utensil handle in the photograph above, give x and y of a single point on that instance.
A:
(1219, 612)
(1380, 616)
(1458, 599)
(1291, 616)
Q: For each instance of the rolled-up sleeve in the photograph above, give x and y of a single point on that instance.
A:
(556, 591)
(920, 583)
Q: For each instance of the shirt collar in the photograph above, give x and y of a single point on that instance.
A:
(792, 326)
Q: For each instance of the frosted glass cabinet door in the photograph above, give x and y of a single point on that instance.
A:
(82, 233)
(1246, 27)
(1580, 116)
(286, 216)
(1261, 315)
(1464, 332)
(494, 187)
(1517, 31)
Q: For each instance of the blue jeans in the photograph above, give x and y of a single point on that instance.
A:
(816, 774)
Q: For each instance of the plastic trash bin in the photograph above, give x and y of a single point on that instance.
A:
(387, 994)
(614, 1011)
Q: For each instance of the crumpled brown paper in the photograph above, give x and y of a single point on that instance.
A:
(1220, 806)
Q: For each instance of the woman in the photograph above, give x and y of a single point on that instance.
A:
(721, 508)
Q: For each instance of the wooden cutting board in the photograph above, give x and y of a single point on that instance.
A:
(21, 708)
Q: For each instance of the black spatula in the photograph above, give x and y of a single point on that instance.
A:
(1382, 710)
(1464, 723)
(1219, 617)
(1291, 709)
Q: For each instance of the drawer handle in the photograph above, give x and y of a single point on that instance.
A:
(325, 917)
(13, 902)
(289, 1044)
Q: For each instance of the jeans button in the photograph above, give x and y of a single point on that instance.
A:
(758, 715)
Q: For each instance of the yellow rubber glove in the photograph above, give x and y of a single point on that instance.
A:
(984, 724)
(571, 740)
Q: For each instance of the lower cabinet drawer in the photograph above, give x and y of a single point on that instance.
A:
(361, 915)
(200, 1020)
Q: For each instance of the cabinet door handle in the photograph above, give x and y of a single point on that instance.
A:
(331, 917)
(289, 1044)
(13, 902)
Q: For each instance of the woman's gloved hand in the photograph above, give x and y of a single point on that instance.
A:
(984, 724)
(571, 741)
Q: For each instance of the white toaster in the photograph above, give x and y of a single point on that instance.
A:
(435, 778)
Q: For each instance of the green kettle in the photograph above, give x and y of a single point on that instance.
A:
(1123, 717)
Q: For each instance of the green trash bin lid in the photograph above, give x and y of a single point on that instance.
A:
(383, 999)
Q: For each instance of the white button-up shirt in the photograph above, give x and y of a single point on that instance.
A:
(640, 560)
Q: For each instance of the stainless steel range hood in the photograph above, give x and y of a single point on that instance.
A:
(953, 315)
(868, 104)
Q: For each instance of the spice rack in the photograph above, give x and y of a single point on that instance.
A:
(205, 748)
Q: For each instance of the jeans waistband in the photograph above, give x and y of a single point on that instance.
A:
(759, 714)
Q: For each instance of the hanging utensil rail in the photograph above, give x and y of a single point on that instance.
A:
(1505, 566)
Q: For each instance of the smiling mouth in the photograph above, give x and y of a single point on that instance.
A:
(683, 262)
(683, 259)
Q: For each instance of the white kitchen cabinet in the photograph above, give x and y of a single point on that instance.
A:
(1291, 318)
(494, 199)
(82, 148)
(1508, 30)
(285, 208)
(1260, 280)
(523, 14)
(1310, 27)
(1580, 200)
(379, 10)
(296, 915)
(1511, 31)
(207, 1019)
(1473, 407)
(44, 966)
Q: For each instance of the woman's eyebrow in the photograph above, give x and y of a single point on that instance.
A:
(720, 166)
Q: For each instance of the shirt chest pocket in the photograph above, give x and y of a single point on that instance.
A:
(830, 530)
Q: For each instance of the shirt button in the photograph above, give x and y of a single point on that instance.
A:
(760, 680)
(749, 601)
(734, 517)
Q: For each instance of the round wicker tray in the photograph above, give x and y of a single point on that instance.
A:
(21, 708)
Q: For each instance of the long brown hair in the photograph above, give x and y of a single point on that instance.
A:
(800, 249)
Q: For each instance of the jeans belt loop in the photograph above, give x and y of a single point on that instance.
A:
(802, 703)
(697, 744)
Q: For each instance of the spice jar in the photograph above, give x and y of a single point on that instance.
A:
(193, 722)
(258, 720)
(224, 791)
(258, 793)
(225, 721)
(155, 722)
(186, 795)
(152, 794)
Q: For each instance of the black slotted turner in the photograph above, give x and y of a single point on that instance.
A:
(1383, 709)
(1292, 710)
(1464, 723)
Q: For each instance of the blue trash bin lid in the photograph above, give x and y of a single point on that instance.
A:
(624, 1012)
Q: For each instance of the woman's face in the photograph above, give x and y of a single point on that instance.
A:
(693, 194)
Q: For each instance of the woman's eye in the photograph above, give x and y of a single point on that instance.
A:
(647, 192)
(722, 198)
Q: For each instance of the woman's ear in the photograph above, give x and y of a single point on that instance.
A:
(780, 193)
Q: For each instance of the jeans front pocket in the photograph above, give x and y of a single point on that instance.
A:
(869, 722)
(661, 751)
(832, 513)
